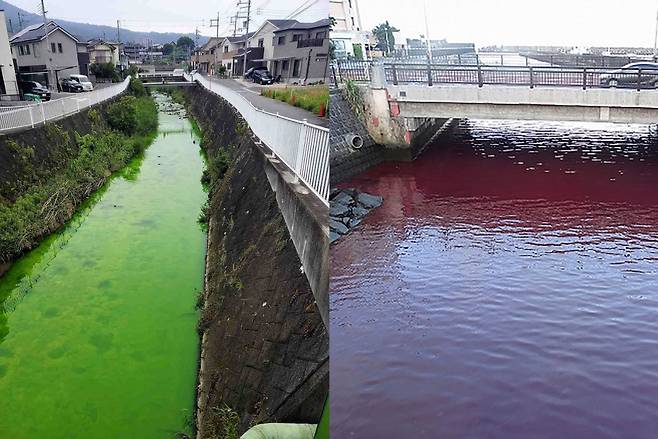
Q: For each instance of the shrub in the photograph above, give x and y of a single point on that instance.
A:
(121, 115)
(136, 87)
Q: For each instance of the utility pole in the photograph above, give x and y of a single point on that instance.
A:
(216, 25)
(20, 21)
(119, 44)
(11, 27)
(243, 11)
(655, 39)
(48, 52)
(427, 33)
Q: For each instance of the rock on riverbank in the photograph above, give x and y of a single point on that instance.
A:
(348, 208)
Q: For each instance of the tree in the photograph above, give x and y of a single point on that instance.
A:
(384, 35)
(185, 42)
(168, 48)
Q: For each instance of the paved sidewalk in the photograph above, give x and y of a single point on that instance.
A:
(252, 94)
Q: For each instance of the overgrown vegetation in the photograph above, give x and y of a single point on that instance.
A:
(352, 94)
(124, 130)
(105, 71)
(311, 98)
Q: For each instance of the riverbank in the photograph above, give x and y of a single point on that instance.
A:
(264, 350)
(47, 172)
(99, 315)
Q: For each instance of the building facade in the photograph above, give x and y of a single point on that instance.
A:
(103, 52)
(301, 53)
(347, 31)
(45, 53)
(8, 83)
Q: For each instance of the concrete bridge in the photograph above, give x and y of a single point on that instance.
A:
(526, 92)
(405, 102)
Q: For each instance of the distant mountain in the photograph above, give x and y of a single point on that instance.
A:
(86, 31)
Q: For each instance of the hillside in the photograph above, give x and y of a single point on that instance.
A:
(87, 31)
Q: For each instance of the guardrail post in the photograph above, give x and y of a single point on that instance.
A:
(63, 107)
(639, 78)
(480, 81)
(532, 79)
(584, 78)
(395, 74)
(43, 113)
(300, 149)
(31, 117)
(429, 72)
(333, 73)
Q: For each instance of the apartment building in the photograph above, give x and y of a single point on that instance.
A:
(347, 31)
(8, 84)
(301, 52)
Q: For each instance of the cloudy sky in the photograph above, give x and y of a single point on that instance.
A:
(553, 22)
(171, 15)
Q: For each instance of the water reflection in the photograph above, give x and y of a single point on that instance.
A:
(506, 288)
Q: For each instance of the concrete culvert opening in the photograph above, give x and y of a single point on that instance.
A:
(355, 141)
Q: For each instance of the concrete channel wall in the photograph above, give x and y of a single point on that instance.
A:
(264, 347)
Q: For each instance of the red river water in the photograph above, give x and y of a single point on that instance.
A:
(507, 288)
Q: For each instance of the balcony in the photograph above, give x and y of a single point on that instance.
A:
(311, 42)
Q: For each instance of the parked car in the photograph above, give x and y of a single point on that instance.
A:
(248, 74)
(83, 81)
(35, 88)
(71, 86)
(627, 76)
(262, 77)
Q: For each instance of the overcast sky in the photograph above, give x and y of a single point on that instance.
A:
(170, 15)
(553, 22)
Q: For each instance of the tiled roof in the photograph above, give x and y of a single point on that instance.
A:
(325, 22)
(36, 32)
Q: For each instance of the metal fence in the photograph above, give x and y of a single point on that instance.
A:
(30, 116)
(302, 146)
(531, 76)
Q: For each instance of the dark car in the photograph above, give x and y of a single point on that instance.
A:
(638, 74)
(262, 77)
(35, 88)
(71, 86)
(249, 73)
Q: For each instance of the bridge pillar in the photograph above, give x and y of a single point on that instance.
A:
(377, 76)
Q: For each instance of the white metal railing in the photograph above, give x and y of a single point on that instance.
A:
(29, 116)
(302, 146)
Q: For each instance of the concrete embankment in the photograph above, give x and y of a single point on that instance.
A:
(264, 352)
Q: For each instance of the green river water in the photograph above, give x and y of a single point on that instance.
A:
(97, 325)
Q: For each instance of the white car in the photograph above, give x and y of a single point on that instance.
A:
(83, 81)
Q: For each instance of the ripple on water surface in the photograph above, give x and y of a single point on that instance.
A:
(489, 298)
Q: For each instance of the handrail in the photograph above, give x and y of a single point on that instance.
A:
(30, 116)
(302, 146)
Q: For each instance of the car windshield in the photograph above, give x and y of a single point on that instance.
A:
(83, 78)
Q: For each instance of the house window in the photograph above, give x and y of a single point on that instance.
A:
(297, 37)
(226, 49)
(320, 35)
(52, 47)
(282, 40)
(260, 42)
(284, 65)
(295, 68)
(20, 50)
(59, 47)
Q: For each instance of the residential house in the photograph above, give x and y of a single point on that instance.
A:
(46, 53)
(103, 52)
(229, 48)
(301, 52)
(243, 51)
(204, 57)
(347, 31)
(8, 84)
(83, 58)
(265, 39)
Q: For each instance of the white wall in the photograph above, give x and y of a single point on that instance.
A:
(6, 59)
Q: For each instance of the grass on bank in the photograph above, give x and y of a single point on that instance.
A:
(311, 98)
(126, 129)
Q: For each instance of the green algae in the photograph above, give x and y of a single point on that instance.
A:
(97, 324)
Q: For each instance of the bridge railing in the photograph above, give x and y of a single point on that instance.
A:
(30, 116)
(530, 76)
(302, 146)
